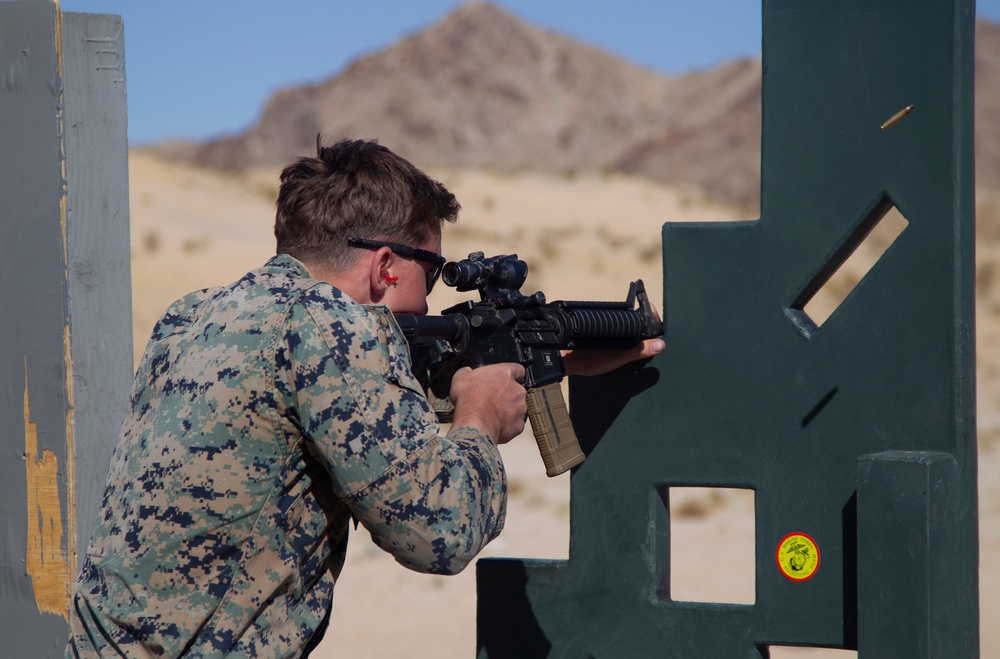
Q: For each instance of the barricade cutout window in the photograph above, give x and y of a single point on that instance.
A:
(848, 266)
(709, 547)
(794, 652)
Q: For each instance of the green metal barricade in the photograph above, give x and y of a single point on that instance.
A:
(855, 432)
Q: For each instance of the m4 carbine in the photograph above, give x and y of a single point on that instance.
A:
(507, 326)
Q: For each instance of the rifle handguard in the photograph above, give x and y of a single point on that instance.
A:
(553, 429)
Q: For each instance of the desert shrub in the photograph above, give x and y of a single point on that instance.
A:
(151, 242)
(192, 245)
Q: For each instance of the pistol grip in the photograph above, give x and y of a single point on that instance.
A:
(553, 429)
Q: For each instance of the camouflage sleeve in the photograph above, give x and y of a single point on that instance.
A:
(432, 502)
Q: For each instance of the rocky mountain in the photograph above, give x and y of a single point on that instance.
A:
(481, 89)
(484, 89)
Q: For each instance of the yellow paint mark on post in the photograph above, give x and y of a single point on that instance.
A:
(46, 561)
(71, 550)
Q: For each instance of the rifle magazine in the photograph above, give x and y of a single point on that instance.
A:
(553, 429)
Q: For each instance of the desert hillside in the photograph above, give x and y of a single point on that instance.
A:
(585, 237)
(484, 89)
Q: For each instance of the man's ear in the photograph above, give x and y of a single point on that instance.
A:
(378, 269)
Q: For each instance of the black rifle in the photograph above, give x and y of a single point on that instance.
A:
(507, 326)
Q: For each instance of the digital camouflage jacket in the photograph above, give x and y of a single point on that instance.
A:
(264, 416)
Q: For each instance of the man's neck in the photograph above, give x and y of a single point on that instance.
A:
(353, 281)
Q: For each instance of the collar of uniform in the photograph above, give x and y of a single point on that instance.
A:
(289, 263)
(293, 266)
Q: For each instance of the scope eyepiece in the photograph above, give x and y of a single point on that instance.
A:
(505, 272)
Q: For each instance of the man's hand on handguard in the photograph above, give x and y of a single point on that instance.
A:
(492, 399)
(598, 362)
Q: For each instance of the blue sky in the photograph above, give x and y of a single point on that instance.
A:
(199, 69)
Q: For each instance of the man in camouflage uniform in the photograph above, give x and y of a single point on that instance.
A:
(266, 414)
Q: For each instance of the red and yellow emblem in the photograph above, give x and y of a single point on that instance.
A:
(798, 556)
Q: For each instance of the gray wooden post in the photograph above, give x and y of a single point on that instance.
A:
(65, 304)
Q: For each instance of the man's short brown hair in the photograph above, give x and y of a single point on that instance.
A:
(356, 188)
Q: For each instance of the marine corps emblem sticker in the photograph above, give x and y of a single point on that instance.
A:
(798, 556)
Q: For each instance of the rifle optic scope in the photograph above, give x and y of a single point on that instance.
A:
(478, 272)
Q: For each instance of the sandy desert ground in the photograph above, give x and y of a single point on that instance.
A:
(192, 229)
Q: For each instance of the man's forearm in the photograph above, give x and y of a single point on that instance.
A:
(435, 513)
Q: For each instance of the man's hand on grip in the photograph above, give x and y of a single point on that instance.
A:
(492, 399)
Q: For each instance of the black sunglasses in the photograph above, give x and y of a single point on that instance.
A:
(436, 261)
